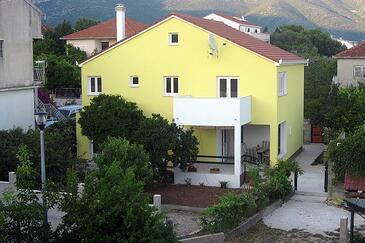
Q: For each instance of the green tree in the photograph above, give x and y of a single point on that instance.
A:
(127, 155)
(166, 143)
(84, 23)
(112, 208)
(109, 116)
(21, 213)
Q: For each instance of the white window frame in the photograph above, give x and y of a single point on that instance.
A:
(282, 83)
(132, 85)
(362, 72)
(172, 93)
(2, 48)
(170, 39)
(283, 139)
(228, 78)
(96, 85)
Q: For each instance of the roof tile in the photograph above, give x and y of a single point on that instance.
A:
(356, 51)
(106, 29)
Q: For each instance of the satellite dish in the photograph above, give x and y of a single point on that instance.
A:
(213, 45)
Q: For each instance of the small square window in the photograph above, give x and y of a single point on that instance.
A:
(134, 81)
(174, 38)
(104, 45)
(1, 48)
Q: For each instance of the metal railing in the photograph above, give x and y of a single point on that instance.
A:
(51, 110)
(39, 71)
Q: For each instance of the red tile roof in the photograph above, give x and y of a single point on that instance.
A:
(107, 29)
(240, 38)
(354, 52)
(237, 19)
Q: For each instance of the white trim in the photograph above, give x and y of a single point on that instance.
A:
(283, 139)
(170, 39)
(287, 63)
(228, 78)
(131, 84)
(172, 85)
(163, 21)
(282, 84)
(95, 93)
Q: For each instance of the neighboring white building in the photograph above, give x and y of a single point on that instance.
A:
(351, 66)
(99, 37)
(20, 24)
(241, 24)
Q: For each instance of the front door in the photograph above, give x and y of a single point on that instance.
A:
(228, 87)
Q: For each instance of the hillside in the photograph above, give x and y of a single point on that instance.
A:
(343, 18)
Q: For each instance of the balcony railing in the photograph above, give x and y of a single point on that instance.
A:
(196, 111)
(39, 71)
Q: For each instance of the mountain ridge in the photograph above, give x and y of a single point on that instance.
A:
(342, 18)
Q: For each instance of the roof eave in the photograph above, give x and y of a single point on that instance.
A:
(87, 38)
(359, 57)
(292, 62)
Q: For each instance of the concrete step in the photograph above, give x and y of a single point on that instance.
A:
(314, 194)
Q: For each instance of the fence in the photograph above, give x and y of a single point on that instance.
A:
(67, 93)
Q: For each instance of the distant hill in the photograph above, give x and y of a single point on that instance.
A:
(343, 18)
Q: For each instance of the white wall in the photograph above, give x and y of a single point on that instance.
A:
(20, 23)
(17, 109)
(196, 111)
(89, 46)
(255, 134)
(345, 71)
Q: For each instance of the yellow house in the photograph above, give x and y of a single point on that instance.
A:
(242, 96)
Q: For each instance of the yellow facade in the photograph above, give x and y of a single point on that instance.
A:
(150, 57)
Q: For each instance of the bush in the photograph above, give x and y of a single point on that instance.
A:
(348, 155)
(119, 150)
(21, 213)
(113, 207)
(60, 150)
(229, 212)
(277, 186)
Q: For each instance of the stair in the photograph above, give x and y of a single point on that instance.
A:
(50, 109)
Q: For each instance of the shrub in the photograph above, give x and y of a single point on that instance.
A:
(288, 166)
(127, 155)
(277, 186)
(113, 207)
(21, 213)
(60, 150)
(348, 155)
(229, 212)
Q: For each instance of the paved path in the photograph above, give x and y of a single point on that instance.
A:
(308, 210)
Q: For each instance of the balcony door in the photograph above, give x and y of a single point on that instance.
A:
(225, 143)
(228, 87)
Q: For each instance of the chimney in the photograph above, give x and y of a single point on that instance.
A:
(120, 14)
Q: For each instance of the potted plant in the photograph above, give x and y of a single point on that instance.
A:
(214, 170)
(223, 184)
(192, 168)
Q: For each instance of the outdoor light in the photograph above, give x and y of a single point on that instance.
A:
(40, 119)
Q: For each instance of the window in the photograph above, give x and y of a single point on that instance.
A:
(282, 84)
(94, 85)
(134, 81)
(359, 72)
(228, 87)
(282, 139)
(174, 38)
(104, 45)
(1, 48)
(171, 86)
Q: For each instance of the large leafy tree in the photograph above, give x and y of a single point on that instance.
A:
(166, 143)
(109, 116)
(84, 23)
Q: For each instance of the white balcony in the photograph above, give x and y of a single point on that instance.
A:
(196, 111)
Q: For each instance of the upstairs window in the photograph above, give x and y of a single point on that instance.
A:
(171, 86)
(282, 84)
(359, 72)
(173, 39)
(134, 81)
(104, 45)
(95, 85)
(1, 48)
